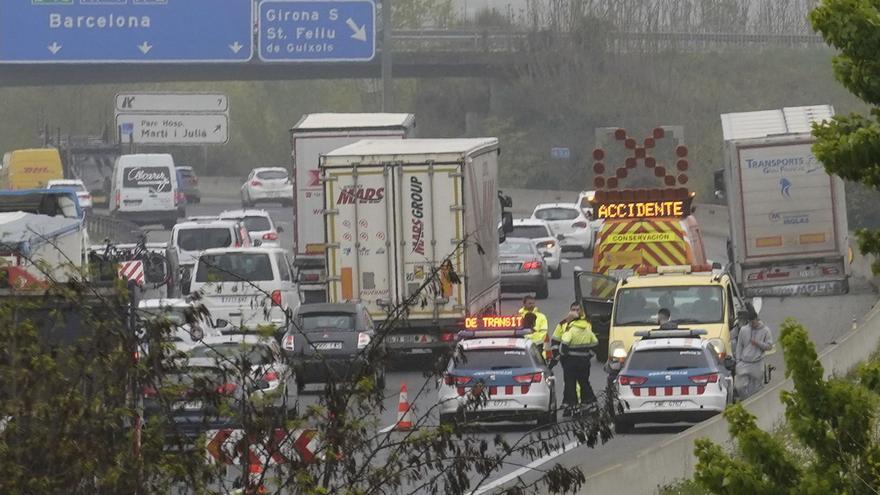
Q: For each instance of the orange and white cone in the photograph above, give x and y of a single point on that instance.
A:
(404, 414)
(256, 486)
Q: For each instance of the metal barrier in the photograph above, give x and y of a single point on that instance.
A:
(102, 227)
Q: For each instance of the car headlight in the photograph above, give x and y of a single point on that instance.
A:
(718, 346)
(617, 350)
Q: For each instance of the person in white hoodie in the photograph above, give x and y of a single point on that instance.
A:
(753, 342)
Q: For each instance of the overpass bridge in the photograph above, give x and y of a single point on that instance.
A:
(416, 54)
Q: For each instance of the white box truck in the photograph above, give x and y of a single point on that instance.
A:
(402, 217)
(788, 227)
(312, 136)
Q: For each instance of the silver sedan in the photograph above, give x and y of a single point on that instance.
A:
(523, 268)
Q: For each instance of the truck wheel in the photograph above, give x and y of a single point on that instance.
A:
(557, 273)
(543, 292)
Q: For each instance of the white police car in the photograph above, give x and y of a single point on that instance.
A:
(672, 376)
(505, 365)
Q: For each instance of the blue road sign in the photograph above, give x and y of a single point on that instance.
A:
(560, 153)
(317, 31)
(130, 31)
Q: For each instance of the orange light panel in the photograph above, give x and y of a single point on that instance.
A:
(493, 322)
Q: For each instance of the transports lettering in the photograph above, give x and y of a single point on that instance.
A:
(58, 21)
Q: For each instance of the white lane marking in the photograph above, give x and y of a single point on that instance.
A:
(523, 470)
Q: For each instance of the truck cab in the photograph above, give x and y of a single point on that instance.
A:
(694, 295)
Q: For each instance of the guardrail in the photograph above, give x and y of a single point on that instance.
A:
(102, 227)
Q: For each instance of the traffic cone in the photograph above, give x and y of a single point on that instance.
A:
(256, 474)
(404, 414)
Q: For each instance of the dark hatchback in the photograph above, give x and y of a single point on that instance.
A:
(327, 341)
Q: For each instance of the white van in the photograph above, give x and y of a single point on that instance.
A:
(247, 287)
(143, 189)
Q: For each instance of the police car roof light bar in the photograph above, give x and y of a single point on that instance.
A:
(664, 334)
(482, 334)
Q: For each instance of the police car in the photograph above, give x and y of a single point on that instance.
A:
(493, 358)
(672, 376)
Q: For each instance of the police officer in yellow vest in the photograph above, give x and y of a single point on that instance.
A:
(555, 340)
(540, 328)
(577, 352)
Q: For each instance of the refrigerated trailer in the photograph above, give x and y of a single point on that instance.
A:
(312, 136)
(414, 224)
(788, 225)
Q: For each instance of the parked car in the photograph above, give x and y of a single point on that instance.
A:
(520, 385)
(545, 240)
(267, 185)
(189, 184)
(672, 376)
(258, 223)
(247, 287)
(328, 340)
(523, 268)
(568, 220)
(85, 198)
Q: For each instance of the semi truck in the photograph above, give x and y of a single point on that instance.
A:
(788, 225)
(412, 232)
(312, 136)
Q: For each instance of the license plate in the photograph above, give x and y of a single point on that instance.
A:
(411, 339)
(509, 267)
(496, 404)
(233, 299)
(809, 273)
(668, 404)
(327, 346)
(190, 406)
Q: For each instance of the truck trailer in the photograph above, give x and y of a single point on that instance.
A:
(788, 225)
(412, 233)
(312, 136)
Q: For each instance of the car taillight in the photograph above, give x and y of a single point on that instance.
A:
(270, 236)
(447, 336)
(530, 378)
(226, 389)
(150, 392)
(579, 225)
(704, 379)
(456, 380)
(631, 380)
(276, 297)
(288, 343)
(118, 199)
(271, 376)
(363, 339)
(256, 183)
(531, 265)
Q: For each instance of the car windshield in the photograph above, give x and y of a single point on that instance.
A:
(530, 231)
(327, 321)
(516, 248)
(491, 359)
(552, 214)
(257, 224)
(693, 304)
(176, 316)
(667, 359)
(234, 267)
(254, 354)
(272, 175)
(201, 239)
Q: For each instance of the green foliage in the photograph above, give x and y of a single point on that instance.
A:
(833, 419)
(849, 145)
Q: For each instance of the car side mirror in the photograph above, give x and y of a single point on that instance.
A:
(279, 229)
(729, 362)
(545, 254)
(220, 323)
(506, 222)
